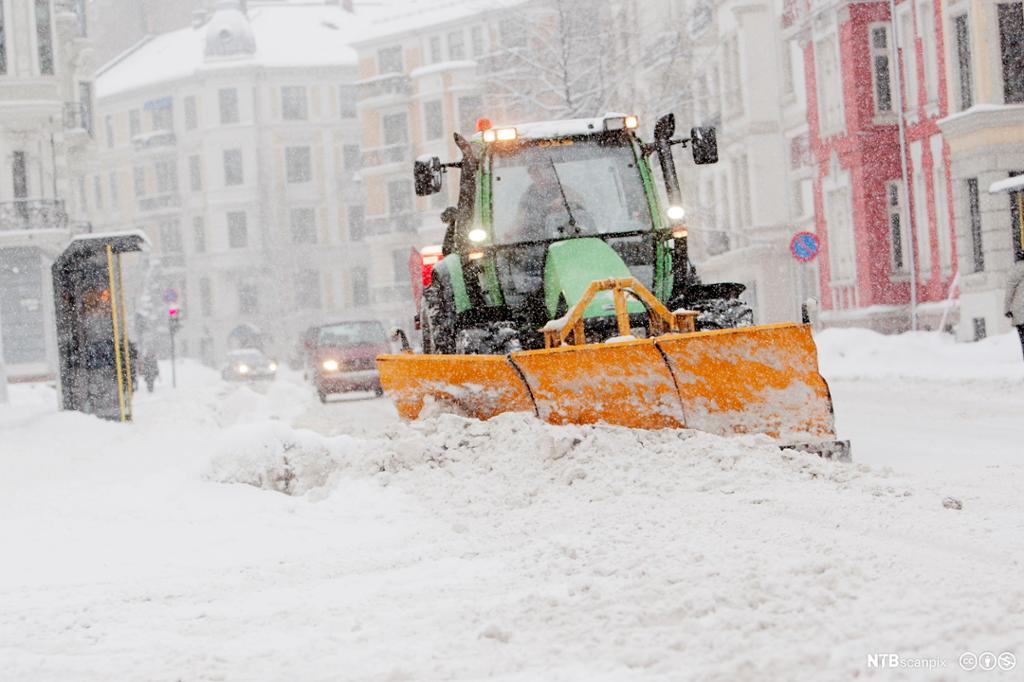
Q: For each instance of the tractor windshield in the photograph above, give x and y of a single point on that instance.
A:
(565, 188)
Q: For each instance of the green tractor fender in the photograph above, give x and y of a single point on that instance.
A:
(572, 265)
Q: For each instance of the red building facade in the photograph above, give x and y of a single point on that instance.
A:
(862, 213)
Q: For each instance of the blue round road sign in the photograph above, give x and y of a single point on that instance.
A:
(170, 296)
(804, 246)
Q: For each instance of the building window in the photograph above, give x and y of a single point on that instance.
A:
(205, 297)
(399, 197)
(299, 164)
(965, 79)
(233, 167)
(352, 157)
(113, 190)
(922, 229)
(347, 97)
(1017, 219)
(19, 173)
(161, 114)
(44, 37)
(433, 120)
(1011, 44)
(248, 298)
(389, 60)
(166, 176)
(307, 290)
(191, 113)
(356, 223)
(396, 129)
(108, 125)
(880, 68)
(85, 106)
(456, 45)
(360, 287)
(894, 210)
(3, 42)
(303, 223)
(139, 180)
(977, 245)
(476, 39)
(134, 123)
(979, 328)
(228, 98)
(435, 49)
(97, 186)
(512, 32)
(294, 106)
(199, 234)
(238, 230)
(195, 173)
(841, 248)
(170, 237)
(470, 109)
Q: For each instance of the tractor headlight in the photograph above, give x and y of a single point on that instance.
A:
(676, 212)
(477, 235)
(331, 365)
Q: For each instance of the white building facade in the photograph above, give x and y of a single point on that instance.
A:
(234, 145)
(46, 128)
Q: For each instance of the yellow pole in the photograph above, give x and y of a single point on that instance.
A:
(117, 332)
(1020, 218)
(124, 331)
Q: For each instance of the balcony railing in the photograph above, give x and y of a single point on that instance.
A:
(379, 156)
(160, 201)
(379, 86)
(154, 140)
(78, 116)
(32, 214)
(396, 222)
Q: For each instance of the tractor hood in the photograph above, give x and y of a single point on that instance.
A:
(572, 265)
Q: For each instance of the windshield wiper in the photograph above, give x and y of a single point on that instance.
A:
(565, 200)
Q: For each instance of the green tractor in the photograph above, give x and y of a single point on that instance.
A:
(544, 209)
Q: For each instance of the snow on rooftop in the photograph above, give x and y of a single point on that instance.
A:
(286, 34)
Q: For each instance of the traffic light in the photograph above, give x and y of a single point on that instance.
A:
(174, 318)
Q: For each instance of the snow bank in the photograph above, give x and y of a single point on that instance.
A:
(865, 354)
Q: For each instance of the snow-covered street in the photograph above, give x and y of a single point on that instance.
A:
(235, 533)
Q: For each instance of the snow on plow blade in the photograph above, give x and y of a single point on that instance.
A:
(750, 380)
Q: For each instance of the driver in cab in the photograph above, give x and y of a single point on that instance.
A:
(548, 208)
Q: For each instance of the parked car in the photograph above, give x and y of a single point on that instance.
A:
(343, 357)
(249, 364)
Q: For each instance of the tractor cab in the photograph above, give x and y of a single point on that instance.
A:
(546, 208)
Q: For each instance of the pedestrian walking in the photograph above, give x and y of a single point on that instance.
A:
(1015, 298)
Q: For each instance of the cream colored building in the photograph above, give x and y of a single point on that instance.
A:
(46, 129)
(234, 145)
(985, 78)
(747, 81)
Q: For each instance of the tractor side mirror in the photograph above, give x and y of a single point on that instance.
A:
(428, 173)
(704, 145)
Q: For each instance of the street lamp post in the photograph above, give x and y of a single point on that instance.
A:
(906, 216)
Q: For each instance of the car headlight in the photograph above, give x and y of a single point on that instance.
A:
(243, 369)
(331, 365)
(273, 367)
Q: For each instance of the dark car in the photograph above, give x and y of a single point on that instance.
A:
(248, 364)
(343, 357)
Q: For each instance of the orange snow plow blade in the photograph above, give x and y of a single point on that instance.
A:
(626, 384)
(751, 380)
(478, 386)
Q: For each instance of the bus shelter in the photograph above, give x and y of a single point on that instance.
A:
(95, 356)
